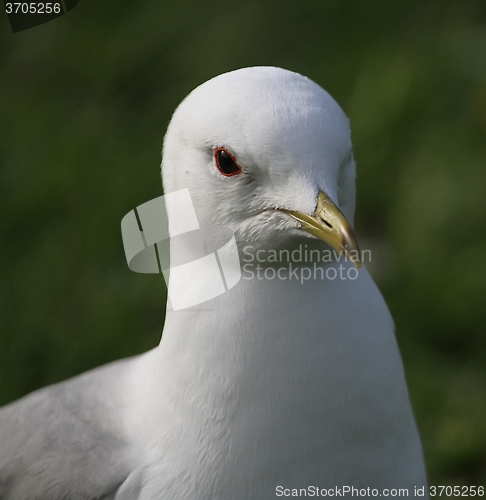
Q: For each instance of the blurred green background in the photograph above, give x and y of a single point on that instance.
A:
(84, 104)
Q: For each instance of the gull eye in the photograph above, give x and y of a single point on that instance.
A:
(226, 163)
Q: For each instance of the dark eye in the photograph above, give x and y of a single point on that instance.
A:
(226, 163)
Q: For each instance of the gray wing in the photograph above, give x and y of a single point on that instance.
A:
(65, 441)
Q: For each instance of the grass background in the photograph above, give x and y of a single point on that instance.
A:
(84, 104)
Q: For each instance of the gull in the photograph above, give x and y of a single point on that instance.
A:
(273, 388)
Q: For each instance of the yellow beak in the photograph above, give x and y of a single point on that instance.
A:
(329, 224)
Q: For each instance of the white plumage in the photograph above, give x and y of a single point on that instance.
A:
(274, 383)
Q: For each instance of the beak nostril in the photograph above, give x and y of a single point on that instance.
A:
(337, 233)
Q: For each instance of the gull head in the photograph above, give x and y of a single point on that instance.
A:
(266, 152)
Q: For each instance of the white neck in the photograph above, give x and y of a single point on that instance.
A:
(276, 367)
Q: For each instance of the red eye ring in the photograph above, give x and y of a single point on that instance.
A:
(226, 162)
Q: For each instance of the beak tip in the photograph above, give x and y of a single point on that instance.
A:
(330, 225)
(355, 260)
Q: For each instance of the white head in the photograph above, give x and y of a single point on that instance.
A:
(289, 139)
